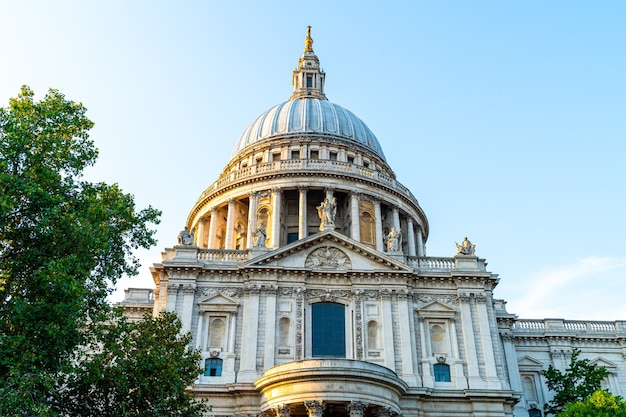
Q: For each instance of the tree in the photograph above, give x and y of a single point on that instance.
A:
(139, 369)
(577, 383)
(600, 404)
(64, 243)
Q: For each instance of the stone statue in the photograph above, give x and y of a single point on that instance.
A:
(394, 240)
(185, 238)
(260, 235)
(465, 248)
(327, 212)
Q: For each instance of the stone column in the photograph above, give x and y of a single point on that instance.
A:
(189, 293)
(302, 214)
(389, 357)
(380, 246)
(199, 235)
(172, 294)
(395, 217)
(315, 408)
(420, 242)
(355, 227)
(276, 204)
(250, 320)
(408, 374)
(427, 375)
(461, 381)
(199, 342)
(410, 236)
(251, 219)
(473, 374)
(212, 229)
(356, 408)
(491, 374)
(230, 225)
(270, 326)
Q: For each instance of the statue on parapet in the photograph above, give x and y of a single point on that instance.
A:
(465, 248)
(185, 238)
(394, 240)
(260, 234)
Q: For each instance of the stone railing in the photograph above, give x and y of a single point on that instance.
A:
(555, 326)
(296, 165)
(431, 264)
(222, 256)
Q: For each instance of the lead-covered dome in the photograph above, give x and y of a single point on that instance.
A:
(306, 115)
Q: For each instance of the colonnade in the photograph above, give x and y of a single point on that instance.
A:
(316, 408)
(414, 235)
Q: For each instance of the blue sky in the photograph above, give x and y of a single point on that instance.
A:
(505, 119)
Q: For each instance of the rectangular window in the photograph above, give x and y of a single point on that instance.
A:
(315, 154)
(213, 367)
(333, 156)
(292, 237)
(295, 154)
(275, 157)
(442, 372)
(328, 333)
(351, 159)
(309, 81)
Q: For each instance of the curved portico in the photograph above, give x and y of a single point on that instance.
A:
(350, 387)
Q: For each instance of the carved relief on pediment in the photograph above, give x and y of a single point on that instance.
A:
(328, 257)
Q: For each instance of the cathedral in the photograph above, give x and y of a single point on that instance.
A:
(303, 278)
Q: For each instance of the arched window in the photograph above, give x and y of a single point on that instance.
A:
(283, 331)
(372, 335)
(213, 367)
(528, 386)
(437, 339)
(442, 372)
(328, 333)
(217, 331)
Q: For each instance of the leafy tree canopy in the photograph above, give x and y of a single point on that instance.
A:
(600, 404)
(150, 354)
(577, 383)
(64, 243)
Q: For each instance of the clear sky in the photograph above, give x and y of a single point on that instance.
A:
(507, 120)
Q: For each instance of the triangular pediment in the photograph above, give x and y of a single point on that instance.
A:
(436, 309)
(329, 251)
(436, 306)
(218, 300)
(601, 362)
(526, 362)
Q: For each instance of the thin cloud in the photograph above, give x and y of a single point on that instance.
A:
(592, 288)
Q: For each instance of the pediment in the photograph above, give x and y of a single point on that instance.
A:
(329, 251)
(526, 362)
(218, 302)
(601, 362)
(436, 309)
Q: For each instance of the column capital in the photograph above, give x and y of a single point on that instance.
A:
(315, 407)
(302, 188)
(282, 410)
(356, 407)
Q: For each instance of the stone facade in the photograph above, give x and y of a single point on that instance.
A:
(303, 278)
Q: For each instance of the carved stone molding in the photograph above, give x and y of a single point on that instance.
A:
(328, 258)
(386, 412)
(227, 291)
(328, 295)
(358, 305)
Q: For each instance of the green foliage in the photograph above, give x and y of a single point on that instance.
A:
(600, 404)
(135, 369)
(577, 383)
(64, 243)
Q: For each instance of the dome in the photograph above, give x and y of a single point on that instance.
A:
(308, 115)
